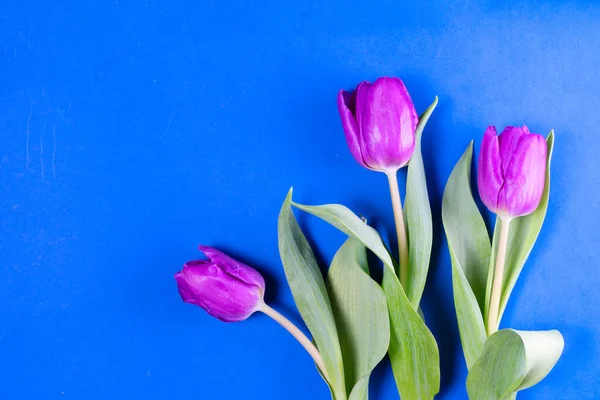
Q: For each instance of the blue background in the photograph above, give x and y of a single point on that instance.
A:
(131, 131)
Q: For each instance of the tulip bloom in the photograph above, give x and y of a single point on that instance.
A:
(232, 291)
(512, 171)
(511, 177)
(225, 288)
(379, 121)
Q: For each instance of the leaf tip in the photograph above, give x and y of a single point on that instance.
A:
(469, 150)
(286, 202)
(559, 336)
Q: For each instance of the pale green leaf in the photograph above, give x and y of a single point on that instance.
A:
(543, 349)
(310, 294)
(511, 361)
(360, 311)
(413, 351)
(361, 390)
(523, 233)
(469, 245)
(346, 221)
(417, 212)
(325, 379)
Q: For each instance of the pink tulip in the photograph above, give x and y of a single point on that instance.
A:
(379, 121)
(512, 171)
(225, 288)
(232, 291)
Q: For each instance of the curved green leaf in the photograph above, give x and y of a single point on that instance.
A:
(413, 351)
(417, 212)
(361, 315)
(325, 379)
(469, 246)
(310, 295)
(543, 349)
(346, 221)
(522, 236)
(361, 390)
(511, 361)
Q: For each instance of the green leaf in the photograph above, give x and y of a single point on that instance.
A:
(325, 379)
(361, 314)
(523, 233)
(543, 349)
(417, 212)
(346, 221)
(310, 294)
(413, 351)
(361, 390)
(511, 361)
(469, 245)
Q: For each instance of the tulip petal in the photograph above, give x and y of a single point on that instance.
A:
(185, 290)
(524, 172)
(490, 177)
(509, 141)
(347, 106)
(233, 267)
(196, 263)
(387, 120)
(219, 294)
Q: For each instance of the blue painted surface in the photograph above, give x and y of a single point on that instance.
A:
(131, 131)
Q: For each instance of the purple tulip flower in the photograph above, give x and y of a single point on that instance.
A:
(232, 291)
(512, 171)
(225, 288)
(379, 121)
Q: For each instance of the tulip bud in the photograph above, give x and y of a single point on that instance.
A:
(379, 121)
(512, 171)
(225, 288)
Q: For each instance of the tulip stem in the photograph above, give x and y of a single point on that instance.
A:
(400, 226)
(493, 313)
(297, 333)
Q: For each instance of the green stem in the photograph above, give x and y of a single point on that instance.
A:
(400, 226)
(297, 333)
(494, 310)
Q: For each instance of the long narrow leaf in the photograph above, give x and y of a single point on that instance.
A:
(310, 294)
(469, 246)
(346, 221)
(361, 390)
(361, 315)
(413, 351)
(418, 218)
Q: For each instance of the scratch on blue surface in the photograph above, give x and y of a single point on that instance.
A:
(27, 132)
(54, 151)
(42, 151)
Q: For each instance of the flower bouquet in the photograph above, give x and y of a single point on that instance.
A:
(353, 320)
